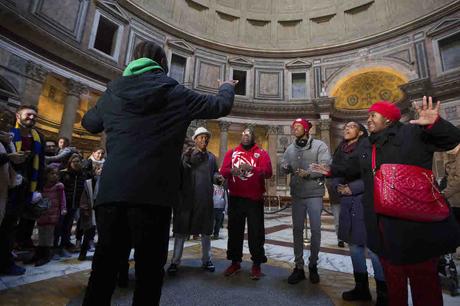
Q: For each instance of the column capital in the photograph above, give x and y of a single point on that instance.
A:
(273, 129)
(251, 126)
(36, 71)
(201, 122)
(75, 88)
(324, 124)
(224, 126)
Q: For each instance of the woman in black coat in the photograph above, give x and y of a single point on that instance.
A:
(351, 223)
(407, 249)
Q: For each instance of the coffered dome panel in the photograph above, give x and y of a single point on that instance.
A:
(285, 25)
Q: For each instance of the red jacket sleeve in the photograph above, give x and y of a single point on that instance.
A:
(226, 168)
(265, 167)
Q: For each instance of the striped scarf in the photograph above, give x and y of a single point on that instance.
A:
(37, 147)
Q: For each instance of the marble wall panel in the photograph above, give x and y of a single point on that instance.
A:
(207, 73)
(66, 16)
(269, 84)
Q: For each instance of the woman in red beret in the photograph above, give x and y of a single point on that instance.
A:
(408, 250)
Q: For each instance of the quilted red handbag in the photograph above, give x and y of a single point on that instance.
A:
(407, 192)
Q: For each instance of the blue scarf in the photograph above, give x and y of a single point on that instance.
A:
(37, 148)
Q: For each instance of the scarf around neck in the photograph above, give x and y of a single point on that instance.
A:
(37, 147)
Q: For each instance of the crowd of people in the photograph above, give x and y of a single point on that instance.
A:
(48, 185)
(130, 197)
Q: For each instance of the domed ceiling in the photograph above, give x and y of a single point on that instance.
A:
(272, 25)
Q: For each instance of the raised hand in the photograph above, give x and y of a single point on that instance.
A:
(427, 114)
(231, 82)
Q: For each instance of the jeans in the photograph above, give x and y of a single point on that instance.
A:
(300, 207)
(358, 259)
(148, 226)
(179, 240)
(240, 209)
(218, 220)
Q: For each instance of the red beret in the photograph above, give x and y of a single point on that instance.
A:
(305, 123)
(386, 109)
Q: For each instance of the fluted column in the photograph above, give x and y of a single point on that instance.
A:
(273, 131)
(36, 76)
(71, 103)
(223, 144)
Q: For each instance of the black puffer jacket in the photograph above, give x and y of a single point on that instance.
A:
(397, 240)
(145, 118)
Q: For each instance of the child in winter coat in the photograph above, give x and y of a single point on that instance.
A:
(87, 216)
(54, 191)
(220, 199)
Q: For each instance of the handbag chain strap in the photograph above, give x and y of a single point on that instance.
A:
(374, 153)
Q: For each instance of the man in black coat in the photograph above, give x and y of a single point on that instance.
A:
(145, 115)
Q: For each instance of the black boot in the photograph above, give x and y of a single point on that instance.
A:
(45, 257)
(314, 276)
(361, 291)
(382, 293)
(296, 276)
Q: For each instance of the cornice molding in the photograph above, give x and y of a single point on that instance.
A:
(181, 45)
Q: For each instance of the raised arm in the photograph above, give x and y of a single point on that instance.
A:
(210, 106)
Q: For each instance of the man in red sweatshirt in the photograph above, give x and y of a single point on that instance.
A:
(246, 167)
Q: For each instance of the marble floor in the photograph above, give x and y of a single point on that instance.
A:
(59, 281)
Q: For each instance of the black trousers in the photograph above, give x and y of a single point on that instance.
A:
(24, 232)
(240, 209)
(88, 236)
(7, 237)
(149, 230)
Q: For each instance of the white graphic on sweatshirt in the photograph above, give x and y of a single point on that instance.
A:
(238, 159)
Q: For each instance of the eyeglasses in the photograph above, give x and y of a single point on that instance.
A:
(351, 126)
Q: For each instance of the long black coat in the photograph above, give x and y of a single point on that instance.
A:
(401, 241)
(145, 118)
(195, 213)
(351, 221)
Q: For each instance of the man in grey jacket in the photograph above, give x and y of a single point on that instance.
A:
(307, 191)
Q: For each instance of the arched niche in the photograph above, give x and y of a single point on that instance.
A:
(363, 87)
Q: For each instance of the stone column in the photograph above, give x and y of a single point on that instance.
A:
(223, 144)
(325, 128)
(273, 131)
(36, 75)
(71, 103)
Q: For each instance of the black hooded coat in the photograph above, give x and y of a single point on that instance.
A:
(145, 118)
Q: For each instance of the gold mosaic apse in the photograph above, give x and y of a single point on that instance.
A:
(363, 88)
